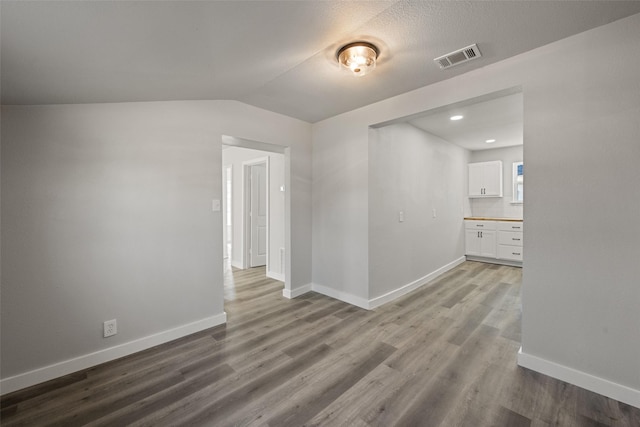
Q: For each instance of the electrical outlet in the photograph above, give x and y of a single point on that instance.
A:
(110, 328)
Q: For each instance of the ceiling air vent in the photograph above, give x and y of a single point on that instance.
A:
(458, 57)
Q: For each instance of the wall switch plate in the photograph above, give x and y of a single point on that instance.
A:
(401, 216)
(434, 212)
(215, 205)
(110, 328)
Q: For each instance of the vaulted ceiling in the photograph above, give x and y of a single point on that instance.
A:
(277, 55)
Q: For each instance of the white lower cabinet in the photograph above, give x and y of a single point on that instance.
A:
(480, 238)
(495, 240)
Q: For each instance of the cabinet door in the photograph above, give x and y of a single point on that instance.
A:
(476, 173)
(472, 242)
(492, 179)
(488, 244)
(481, 243)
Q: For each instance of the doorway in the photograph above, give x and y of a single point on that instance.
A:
(258, 206)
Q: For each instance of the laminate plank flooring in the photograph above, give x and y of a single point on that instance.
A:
(443, 355)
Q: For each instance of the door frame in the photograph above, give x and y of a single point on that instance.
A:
(246, 203)
(234, 141)
(227, 207)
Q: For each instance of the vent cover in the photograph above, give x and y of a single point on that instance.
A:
(458, 57)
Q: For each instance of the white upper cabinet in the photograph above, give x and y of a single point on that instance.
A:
(485, 179)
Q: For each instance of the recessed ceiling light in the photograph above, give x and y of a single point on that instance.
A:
(456, 118)
(489, 141)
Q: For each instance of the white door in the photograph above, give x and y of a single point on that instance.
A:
(258, 214)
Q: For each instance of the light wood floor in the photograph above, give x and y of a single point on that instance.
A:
(444, 355)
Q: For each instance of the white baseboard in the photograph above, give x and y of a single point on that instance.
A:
(275, 276)
(389, 296)
(598, 385)
(342, 296)
(237, 264)
(37, 376)
(397, 293)
(293, 293)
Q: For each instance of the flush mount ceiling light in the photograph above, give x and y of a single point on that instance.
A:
(359, 57)
(454, 118)
(489, 141)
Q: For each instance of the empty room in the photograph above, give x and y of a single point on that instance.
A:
(288, 213)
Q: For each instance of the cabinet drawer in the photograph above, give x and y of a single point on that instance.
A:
(510, 226)
(480, 225)
(511, 238)
(512, 253)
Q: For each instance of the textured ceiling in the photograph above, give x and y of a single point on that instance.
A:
(277, 55)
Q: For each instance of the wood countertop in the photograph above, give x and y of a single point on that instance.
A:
(486, 218)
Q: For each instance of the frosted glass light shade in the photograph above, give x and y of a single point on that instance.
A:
(359, 58)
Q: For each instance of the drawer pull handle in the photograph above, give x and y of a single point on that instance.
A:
(516, 228)
(479, 225)
(513, 238)
(515, 253)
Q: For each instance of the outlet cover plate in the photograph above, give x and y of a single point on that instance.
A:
(110, 328)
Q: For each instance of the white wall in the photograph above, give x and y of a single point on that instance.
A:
(415, 172)
(502, 207)
(581, 132)
(340, 207)
(237, 156)
(106, 213)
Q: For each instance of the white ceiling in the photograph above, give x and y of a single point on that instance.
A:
(277, 55)
(499, 118)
